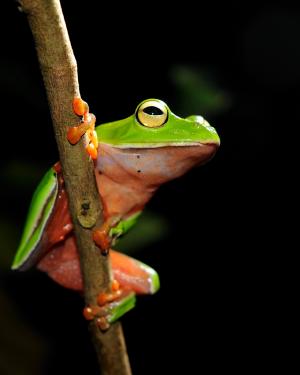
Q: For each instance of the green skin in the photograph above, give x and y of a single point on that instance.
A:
(152, 127)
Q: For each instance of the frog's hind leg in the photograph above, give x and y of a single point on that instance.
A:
(62, 265)
(134, 275)
(131, 277)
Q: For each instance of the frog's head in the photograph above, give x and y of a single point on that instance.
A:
(155, 144)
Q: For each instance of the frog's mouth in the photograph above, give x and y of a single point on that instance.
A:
(141, 145)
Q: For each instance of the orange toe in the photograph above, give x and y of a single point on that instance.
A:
(80, 107)
(92, 151)
(76, 132)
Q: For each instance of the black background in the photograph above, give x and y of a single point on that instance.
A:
(220, 268)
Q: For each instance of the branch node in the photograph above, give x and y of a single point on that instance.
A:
(87, 216)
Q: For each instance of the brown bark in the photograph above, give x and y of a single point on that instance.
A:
(59, 70)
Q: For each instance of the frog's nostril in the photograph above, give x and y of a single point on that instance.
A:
(199, 120)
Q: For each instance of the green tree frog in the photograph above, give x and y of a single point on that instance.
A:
(132, 158)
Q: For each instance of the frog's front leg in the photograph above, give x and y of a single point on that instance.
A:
(110, 306)
(101, 235)
(87, 126)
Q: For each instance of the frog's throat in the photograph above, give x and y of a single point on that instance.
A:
(151, 166)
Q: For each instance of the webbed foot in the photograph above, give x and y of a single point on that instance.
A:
(110, 306)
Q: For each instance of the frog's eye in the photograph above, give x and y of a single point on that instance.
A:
(152, 114)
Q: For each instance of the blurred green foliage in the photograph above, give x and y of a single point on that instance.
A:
(150, 228)
(197, 90)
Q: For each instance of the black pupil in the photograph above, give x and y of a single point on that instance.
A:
(153, 111)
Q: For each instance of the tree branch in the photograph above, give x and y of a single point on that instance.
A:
(59, 70)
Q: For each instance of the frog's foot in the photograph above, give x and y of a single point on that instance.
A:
(110, 306)
(101, 235)
(87, 126)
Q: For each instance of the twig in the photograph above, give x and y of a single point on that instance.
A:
(59, 70)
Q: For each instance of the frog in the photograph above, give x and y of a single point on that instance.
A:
(132, 158)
